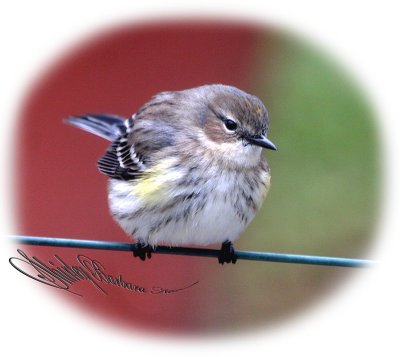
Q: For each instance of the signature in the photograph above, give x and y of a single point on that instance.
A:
(61, 275)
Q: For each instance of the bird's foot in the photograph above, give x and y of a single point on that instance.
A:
(142, 251)
(227, 253)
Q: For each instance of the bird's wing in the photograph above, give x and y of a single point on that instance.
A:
(121, 161)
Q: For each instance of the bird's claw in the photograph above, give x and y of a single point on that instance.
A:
(142, 251)
(227, 253)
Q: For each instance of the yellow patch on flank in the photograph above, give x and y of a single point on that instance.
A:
(258, 110)
(154, 183)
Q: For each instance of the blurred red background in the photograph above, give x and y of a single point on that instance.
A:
(61, 193)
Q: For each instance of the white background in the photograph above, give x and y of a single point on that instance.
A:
(362, 318)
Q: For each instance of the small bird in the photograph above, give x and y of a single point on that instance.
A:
(186, 168)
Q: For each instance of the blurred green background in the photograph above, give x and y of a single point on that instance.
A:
(325, 175)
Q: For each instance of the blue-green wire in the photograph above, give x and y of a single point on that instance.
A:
(202, 252)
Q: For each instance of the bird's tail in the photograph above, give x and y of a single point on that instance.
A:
(107, 126)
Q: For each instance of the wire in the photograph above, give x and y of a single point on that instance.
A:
(202, 252)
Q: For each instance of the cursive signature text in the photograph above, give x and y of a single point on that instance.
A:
(60, 275)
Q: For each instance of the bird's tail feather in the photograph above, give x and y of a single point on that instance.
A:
(107, 126)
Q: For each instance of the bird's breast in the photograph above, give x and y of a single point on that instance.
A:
(176, 204)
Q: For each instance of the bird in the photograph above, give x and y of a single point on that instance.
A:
(186, 168)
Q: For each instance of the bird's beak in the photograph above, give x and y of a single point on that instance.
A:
(262, 141)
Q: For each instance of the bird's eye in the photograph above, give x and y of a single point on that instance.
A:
(230, 124)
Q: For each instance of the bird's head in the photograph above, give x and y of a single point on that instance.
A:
(231, 122)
